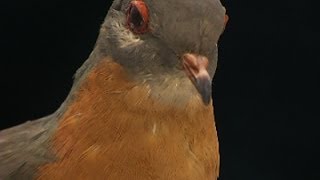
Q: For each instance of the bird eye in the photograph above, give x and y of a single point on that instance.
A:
(137, 17)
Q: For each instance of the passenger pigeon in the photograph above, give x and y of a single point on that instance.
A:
(140, 107)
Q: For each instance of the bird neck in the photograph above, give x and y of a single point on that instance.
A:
(107, 97)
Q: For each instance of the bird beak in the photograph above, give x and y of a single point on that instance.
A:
(196, 68)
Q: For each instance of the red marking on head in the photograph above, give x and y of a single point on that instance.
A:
(226, 19)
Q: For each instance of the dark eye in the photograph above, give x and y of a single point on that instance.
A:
(138, 17)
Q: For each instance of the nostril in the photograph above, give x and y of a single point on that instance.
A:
(195, 61)
(190, 60)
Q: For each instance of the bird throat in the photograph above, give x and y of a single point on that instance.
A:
(112, 124)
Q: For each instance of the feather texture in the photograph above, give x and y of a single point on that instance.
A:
(115, 130)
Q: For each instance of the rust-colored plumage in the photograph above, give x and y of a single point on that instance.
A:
(140, 107)
(102, 128)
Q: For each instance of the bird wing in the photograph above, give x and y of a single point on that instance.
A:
(24, 147)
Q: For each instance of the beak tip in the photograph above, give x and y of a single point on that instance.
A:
(206, 100)
(204, 88)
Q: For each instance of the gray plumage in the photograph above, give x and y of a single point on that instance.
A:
(176, 27)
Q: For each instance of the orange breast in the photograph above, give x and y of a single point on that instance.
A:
(113, 130)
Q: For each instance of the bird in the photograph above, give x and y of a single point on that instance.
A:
(140, 107)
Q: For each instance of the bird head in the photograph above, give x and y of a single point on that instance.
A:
(169, 45)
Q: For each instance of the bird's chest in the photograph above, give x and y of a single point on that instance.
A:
(135, 146)
(113, 130)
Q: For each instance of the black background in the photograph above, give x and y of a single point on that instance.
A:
(265, 90)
